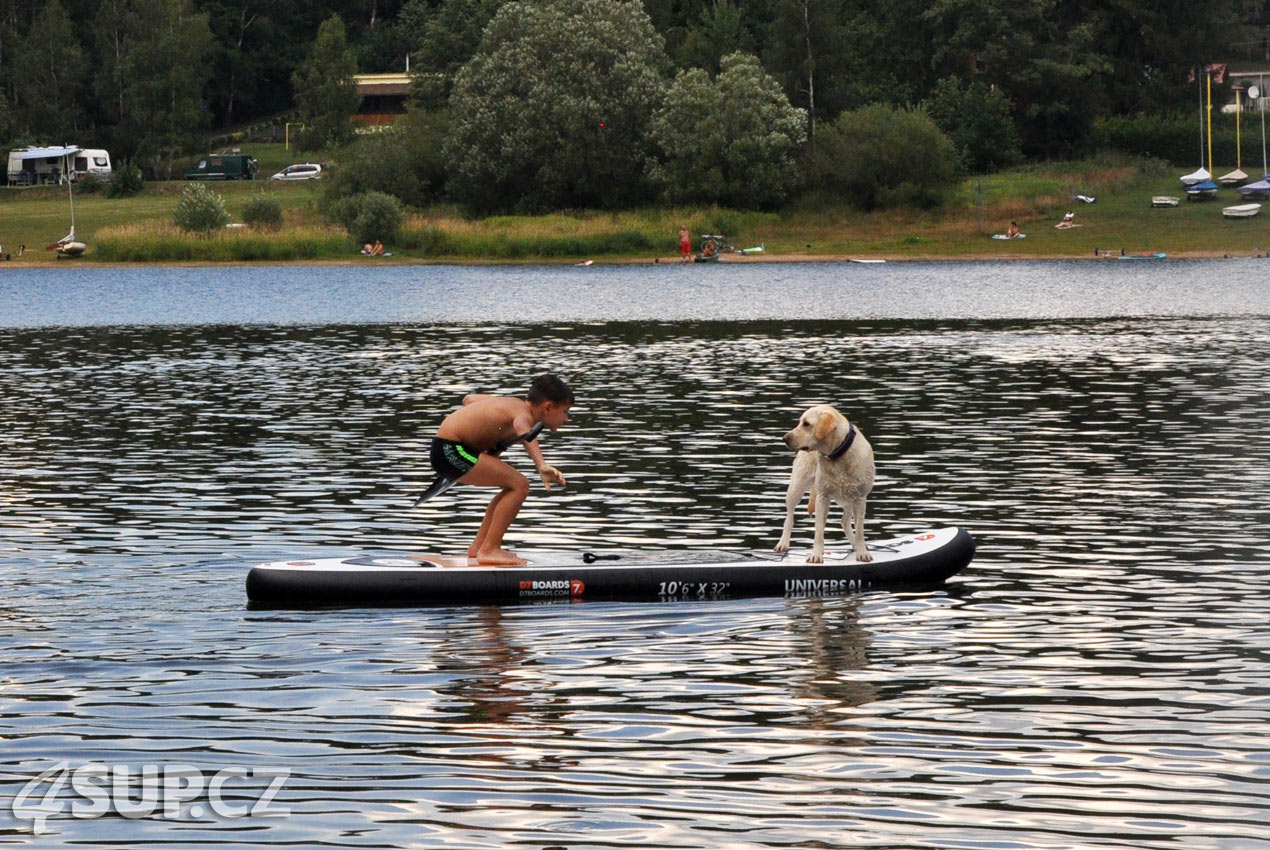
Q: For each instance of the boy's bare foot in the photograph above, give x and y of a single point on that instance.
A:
(500, 558)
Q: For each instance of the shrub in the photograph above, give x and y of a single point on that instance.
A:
(262, 213)
(407, 163)
(89, 184)
(1174, 138)
(200, 210)
(368, 216)
(884, 156)
(125, 182)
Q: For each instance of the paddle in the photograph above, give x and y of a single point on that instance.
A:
(441, 483)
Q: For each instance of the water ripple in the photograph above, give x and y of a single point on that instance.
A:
(1098, 678)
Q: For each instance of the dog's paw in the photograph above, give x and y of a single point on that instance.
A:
(813, 558)
(781, 547)
(863, 556)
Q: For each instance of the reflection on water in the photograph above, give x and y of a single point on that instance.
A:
(1097, 678)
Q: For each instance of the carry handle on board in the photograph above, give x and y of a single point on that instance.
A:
(441, 483)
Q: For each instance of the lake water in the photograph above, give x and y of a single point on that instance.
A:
(1099, 677)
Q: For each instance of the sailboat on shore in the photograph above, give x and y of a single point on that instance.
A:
(68, 245)
(1202, 174)
(1238, 176)
(1260, 190)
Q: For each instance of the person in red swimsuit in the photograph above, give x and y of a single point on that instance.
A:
(685, 243)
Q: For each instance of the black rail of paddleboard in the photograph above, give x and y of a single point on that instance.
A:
(297, 588)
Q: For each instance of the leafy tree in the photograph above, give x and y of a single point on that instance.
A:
(554, 109)
(450, 33)
(164, 70)
(6, 117)
(882, 156)
(110, 31)
(977, 119)
(732, 140)
(200, 210)
(325, 93)
(49, 76)
(809, 50)
(258, 45)
(1046, 64)
(719, 31)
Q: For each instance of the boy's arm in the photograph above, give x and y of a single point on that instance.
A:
(547, 472)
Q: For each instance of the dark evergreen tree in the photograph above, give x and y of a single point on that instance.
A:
(326, 95)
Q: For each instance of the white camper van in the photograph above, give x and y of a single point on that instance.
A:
(32, 166)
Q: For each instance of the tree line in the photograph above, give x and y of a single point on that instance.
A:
(1003, 79)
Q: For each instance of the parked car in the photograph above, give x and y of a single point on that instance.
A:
(303, 171)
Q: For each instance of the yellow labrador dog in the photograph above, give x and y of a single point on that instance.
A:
(835, 462)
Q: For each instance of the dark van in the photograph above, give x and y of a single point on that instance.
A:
(224, 166)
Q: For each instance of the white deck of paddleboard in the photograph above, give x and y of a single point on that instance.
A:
(895, 549)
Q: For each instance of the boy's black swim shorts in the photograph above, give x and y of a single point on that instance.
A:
(452, 459)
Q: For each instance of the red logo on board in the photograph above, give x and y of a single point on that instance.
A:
(576, 588)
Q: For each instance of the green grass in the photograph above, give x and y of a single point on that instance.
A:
(138, 229)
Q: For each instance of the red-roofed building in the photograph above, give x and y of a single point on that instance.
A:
(383, 98)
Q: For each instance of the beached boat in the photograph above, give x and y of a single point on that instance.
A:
(68, 245)
(1258, 191)
(1196, 177)
(1241, 211)
(1205, 191)
(1165, 201)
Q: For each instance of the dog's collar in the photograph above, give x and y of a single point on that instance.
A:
(846, 444)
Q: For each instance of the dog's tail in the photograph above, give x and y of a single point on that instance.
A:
(811, 503)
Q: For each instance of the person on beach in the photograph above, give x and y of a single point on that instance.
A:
(685, 243)
(464, 450)
(1068, 221)
(1012, 232)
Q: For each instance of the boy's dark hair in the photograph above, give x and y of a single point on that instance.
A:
(549, 388)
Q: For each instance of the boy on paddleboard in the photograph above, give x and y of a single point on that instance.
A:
(466, 448)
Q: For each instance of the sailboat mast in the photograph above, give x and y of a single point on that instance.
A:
(1239, 145)
(1261, 107)
(1209, 78)
(69, 190)
(1200, 89)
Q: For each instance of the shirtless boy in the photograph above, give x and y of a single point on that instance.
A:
(465, 445)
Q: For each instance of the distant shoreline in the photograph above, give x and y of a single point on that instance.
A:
(627, 261)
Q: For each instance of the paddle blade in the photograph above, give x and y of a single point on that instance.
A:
(439, 486)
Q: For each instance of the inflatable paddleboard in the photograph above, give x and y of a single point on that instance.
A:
(925, 559)
(1003, 236)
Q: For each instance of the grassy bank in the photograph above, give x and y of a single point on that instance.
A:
(139, 229)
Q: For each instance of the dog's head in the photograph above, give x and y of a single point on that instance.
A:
(820, 429)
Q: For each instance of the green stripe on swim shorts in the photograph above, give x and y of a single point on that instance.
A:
(472, 459)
